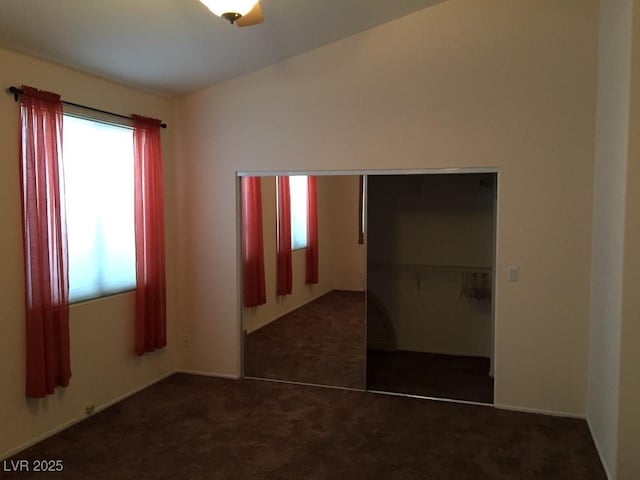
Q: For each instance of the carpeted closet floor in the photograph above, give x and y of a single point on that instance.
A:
(199, 428)
(430, 375)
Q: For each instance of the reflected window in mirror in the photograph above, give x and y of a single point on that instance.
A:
(298, 192)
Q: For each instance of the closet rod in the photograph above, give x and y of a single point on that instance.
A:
(16, 92)
(459, 268)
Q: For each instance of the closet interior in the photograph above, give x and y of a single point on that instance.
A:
(430, 259)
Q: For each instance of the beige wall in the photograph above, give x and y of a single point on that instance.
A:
(416, 223)
(104, 365)
(348, 266)
(609, 226)
(614, 386)
(498, 84)
(628, 465)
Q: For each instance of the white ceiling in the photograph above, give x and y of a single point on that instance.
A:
(176, 46)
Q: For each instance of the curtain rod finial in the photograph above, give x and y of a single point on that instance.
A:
(15, 91)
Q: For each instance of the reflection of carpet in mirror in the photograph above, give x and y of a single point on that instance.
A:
(430, 375)
(322, 342)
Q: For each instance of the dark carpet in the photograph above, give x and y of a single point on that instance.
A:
(322, 342)
(193, 428)
(430, 375)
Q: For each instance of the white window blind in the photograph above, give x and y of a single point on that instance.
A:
(98, 168)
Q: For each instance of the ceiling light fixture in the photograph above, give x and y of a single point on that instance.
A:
(232, 10)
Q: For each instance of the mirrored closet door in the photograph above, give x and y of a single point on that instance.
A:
(302, 329)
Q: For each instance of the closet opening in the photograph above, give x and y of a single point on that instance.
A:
(404, 299)
(431, 241)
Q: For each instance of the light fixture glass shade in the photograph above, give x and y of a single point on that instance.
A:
(220, 7)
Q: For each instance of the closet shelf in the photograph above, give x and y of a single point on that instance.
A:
(471, 277)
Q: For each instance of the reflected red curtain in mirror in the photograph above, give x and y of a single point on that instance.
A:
(312, 231)
(151, 326)
(45, 243)
(284, 273)
(254, 290)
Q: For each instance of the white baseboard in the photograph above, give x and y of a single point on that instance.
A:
(448, 352)
(82, 417)
(599, 450)
(552, 413)
(209, 374)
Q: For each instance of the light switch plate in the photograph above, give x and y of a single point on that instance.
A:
(514, 273)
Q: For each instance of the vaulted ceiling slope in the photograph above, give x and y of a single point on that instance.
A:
(173, 47)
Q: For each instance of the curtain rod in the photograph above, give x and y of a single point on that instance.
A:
(16, 92)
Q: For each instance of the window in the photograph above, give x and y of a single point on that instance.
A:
(298, 190)
(99, 183)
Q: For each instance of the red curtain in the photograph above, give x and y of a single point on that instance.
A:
(254, 291)
(312, 231)
(151, 328)
(45, 243)
(284, 272)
